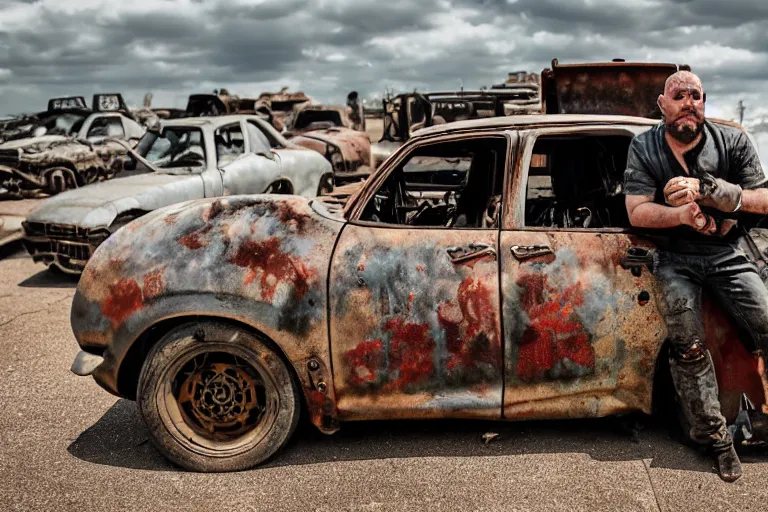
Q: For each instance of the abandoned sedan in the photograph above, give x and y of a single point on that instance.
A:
(189, 159)
(326, 129)
(487, 270)
(67, 148)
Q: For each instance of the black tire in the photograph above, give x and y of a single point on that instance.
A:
(217, 398)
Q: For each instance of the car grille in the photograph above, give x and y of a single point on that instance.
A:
(66, 232)
(9, 157)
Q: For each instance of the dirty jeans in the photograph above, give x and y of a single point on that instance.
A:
(731, 278)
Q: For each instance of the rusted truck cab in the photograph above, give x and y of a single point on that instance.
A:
(486, 270)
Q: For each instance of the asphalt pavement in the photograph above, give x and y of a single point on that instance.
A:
(65, 444)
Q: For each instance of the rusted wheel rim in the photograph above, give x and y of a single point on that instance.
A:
(218, 400)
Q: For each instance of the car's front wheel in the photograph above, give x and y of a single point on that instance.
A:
(216, 398)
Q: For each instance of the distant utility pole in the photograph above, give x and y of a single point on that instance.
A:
(742, 108)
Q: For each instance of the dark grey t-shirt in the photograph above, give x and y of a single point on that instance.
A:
(724, 152)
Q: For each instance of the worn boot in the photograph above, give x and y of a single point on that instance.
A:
(728, 465)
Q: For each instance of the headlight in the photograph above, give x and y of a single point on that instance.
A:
(337, 160)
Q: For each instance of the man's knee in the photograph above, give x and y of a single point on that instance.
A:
(688, 350)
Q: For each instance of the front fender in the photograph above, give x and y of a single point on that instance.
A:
(259, 260)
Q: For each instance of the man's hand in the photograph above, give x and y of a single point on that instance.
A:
(691, 215)
(721, 194)
(682, 190)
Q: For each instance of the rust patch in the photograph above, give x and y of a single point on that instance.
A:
(365, 360)
(265, 259)
(555, 344)
(411, 352)
(476, 318)
(170, 219)
(153, 284)
(196, 239)
(124, 299)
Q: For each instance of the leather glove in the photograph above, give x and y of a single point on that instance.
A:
(720, 194)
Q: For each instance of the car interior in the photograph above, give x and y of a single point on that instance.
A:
(448, 184)
(577, 182)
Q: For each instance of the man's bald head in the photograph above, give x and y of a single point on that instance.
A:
(682, 105)
(682, 80)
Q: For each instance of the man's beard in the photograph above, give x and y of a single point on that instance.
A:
(684, 133)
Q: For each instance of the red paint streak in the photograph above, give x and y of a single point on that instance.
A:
(265, 259)
(555, 332)
(471, 326)
(411, 349)
(365, 362)
(124, 299)
(411, 297)
(153, 284)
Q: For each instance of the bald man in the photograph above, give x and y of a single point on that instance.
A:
(688, 178)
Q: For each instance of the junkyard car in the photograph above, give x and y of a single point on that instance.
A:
(66, 147)
(486, 270)
(326, 129)
(409, 112)
(190, 158)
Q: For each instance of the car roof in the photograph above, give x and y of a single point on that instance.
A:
(212, 121)
(531, 121)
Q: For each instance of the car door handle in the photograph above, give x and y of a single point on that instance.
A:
(473, 251)
(524, 252)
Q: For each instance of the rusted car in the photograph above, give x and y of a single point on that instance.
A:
(67, 147)
(409, 112)
(327, 130)
(187, 159)
(486, 270)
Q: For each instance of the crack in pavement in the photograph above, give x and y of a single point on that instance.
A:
(653, 488)
(35, 311)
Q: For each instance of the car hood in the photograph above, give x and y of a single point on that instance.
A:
(41, 141)
(99, 204)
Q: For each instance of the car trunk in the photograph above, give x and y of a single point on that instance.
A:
(617, 87)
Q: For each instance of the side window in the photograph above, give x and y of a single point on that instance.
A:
(576, 182)
(259, 141)
(229, 143)
(133, 130)
(106, 126)
(456, 184)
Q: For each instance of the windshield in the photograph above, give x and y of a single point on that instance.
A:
(176, 147)
(317, 119)
(61, 124)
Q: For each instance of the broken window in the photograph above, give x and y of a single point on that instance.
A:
(454, 184)
(576, 182)
(175, 147)
(259, 141)
(108, 126)
(229, 143)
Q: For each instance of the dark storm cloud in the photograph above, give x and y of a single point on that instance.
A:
(327, 47)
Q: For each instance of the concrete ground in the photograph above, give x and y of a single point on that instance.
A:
(67, 445)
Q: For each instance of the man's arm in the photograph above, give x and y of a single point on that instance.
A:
(755, 201)
(644, 213)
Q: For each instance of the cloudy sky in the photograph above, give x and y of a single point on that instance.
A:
(328, 47)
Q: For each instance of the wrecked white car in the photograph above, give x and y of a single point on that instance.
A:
(192, 158)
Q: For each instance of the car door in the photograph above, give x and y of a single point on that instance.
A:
(414, 286)
(581, 326)
(245, 167)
